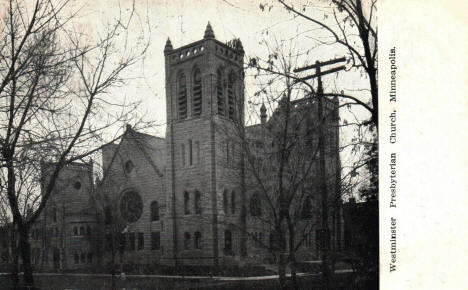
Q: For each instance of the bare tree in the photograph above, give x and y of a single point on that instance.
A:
(276, 162)
(350, 24)
(55, 88)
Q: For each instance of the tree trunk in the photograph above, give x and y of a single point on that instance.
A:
(14, 263)
(294, 271)
(25, 249)
(292, 252)
(282, 270)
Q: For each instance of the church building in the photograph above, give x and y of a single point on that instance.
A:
(179, 200)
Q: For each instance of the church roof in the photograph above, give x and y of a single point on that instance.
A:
(150, 146)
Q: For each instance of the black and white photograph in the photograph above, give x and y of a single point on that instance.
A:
(208, 144)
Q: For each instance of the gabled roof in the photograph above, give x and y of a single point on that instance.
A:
(147, 144)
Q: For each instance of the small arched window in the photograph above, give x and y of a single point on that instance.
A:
(90, 258)
(154, 211)
(88, 231)
(107, 215)
(197, 202)
(75, 231)
(197, 145)
(227, 242)
(233, 202)
(187, 239)
(255, 205)
(225, 201)
(182, 97)
(197, 240)
(233, 153)
(128, 166)
(83, 258)
(220, 92)
(228, 152)
(182, 154)
(197, 92)
(190, 149)
(81, 231)
(76, 257)
(186, 202)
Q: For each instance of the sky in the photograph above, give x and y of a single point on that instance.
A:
(184, 22)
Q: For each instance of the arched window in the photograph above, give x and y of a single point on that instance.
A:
(81, 231)
(88, 230)
(83, 258)
(182, 98)
(54, 214)
(75, 231)
(155, 240)
(186, 202)
(197, 240)
(233, 202)
(306, 211)
(182, 154)
(233, 153)
(128, 166)
(187, 240)
(197, 145)
(197, 92)
(227, 242)
(190, 149)
(255, 205)
(154, 211)
(225, 201)
(107, 215)
(197, 202)
(220, 92)
(90, 258)
(231, 97)
(228, 152)
(76, 257)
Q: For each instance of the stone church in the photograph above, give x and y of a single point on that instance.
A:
(185, 199)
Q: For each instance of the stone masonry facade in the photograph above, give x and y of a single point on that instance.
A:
(179, 200)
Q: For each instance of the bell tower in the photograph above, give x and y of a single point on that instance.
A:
(204, 104)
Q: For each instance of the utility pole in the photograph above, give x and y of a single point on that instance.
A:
(325, 242)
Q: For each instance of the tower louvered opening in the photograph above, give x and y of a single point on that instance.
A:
(197, 93)
(219, 93)
(182, 100)
(231, 97)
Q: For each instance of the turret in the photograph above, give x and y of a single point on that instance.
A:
(209, 34)
(168, 46)
(263, 115)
